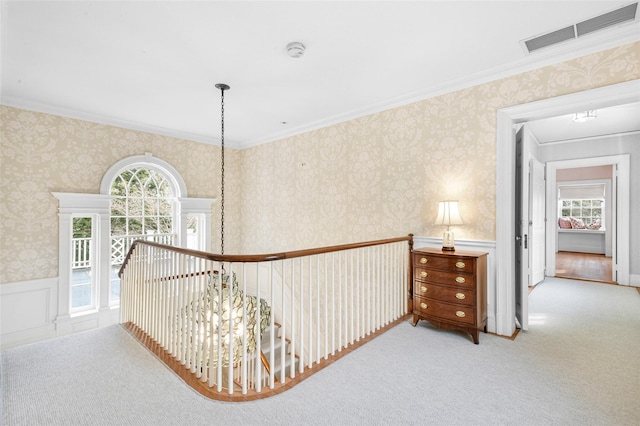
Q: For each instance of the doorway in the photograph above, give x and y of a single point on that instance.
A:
(617, 216)
(505, 188)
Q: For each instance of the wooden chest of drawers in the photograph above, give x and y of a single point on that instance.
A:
(450, 289)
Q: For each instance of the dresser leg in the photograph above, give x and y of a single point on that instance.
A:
(474, 335)
(415, 319)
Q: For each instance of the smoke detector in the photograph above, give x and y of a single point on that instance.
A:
(295, 49)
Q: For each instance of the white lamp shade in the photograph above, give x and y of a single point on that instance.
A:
(448, 214)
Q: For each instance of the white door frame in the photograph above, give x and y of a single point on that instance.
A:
(619, 208)
(616, 94)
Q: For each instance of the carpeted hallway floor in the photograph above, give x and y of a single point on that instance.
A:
(579, 364)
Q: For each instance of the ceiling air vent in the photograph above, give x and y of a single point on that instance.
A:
(549, 39)
(624, 14)
(609, 19)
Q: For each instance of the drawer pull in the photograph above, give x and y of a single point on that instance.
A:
(459, 264)
(460, 314)
(425, 306)
(423, 260)
(460, 280)
(423, 274)
(424, 289)
(460, 296)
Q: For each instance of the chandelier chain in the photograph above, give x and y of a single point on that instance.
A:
(222, 176)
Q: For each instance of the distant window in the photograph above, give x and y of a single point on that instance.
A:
(589, 212)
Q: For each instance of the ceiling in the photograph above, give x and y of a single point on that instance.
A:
(611, 120)
(153, 66)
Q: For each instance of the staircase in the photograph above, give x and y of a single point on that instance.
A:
(278, 342)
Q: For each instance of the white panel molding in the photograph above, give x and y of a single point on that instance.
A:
(473, 245)
(28, 310)
(29, 313)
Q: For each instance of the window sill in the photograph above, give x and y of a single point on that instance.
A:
(584, 231)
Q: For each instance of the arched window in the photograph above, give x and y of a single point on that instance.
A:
(141, 197)
(143, 206)
(142, 203)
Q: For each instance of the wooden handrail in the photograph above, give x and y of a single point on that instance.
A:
(262, 257)
(171, 304)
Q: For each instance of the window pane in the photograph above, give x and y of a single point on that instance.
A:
(119, 187)
(134, 206)
(118, 226)
(165, 208)
(119, 207)
(151, 225)
(566, 212)
(115, 284)
(135, 226)
(136, 186)
(81, 288)
(166, 225)
(151, 207)
(81, 227)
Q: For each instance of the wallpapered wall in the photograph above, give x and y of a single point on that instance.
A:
(42, 153)
(382, 175)
(374, 177)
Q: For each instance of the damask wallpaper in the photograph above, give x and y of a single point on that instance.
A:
(42, 153)
(374, 177)
(382, 175)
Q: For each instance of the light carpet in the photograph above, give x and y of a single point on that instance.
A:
(579, 363)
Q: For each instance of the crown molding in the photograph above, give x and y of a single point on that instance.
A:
(556, 54)
(109, 121)
(590, 44)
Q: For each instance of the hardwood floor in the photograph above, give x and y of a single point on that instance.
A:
(583, 266)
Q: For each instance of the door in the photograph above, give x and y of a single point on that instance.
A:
(521, 209)
(537, 222)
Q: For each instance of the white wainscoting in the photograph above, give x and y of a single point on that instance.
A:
(29, 313)
(473, 245)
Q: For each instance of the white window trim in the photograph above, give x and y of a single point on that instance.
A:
(606, 221)
(98, 206)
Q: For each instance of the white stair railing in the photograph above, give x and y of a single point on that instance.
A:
(245, 326)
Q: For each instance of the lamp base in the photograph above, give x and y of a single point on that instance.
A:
(448, 241)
